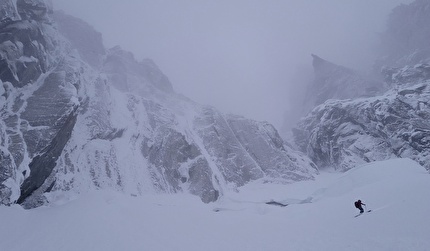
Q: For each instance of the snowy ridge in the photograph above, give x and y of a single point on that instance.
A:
(101, 220)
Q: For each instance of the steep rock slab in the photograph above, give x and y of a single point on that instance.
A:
(49, 117)
(265, 146)
(230, 157)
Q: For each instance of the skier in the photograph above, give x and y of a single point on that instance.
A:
(358, 204)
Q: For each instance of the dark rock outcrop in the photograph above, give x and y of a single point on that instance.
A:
(8, 12)
(34, 9)
(42, 165)
(23, 52)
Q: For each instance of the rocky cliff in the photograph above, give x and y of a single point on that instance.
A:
(346, 133)
(38, 100)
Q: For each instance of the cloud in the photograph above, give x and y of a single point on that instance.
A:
(238, 55)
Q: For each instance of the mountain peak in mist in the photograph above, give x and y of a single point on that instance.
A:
(318, 61)
(334, 81)
(406, 40)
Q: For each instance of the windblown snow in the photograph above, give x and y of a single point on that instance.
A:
(320, 216)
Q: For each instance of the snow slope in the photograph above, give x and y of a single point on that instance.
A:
(320, 217)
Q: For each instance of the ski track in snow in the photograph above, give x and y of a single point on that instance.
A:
(396, 191)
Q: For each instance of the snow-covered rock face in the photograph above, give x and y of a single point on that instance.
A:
(274, 158)
(23, 53)
(34, 9)
(7, 11)
(156, 141)
(38, 108)
(76, 117)
(345, 133)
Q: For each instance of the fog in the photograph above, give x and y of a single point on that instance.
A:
(240, 56)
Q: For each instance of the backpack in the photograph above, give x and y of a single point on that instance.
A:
(357, 204)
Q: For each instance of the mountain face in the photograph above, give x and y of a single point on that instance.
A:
(76, 117)
(345, 133)
(38, 101)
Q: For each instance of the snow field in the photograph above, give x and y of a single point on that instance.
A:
(320, 217)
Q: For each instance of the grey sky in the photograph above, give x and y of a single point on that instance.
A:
(238, 55)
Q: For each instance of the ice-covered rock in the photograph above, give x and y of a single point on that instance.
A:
(34, 9)
(7, 11)
(38, 104)
(275, 158)
(345, 133)
(26, 51)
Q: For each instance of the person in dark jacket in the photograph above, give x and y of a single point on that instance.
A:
(358, 204)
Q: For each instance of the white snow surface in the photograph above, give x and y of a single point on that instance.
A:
(320, 216)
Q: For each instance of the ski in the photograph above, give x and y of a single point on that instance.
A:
(368, 211)
(275, 203)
